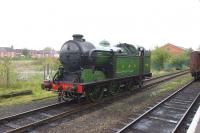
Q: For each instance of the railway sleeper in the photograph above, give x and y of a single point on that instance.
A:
(163, 119)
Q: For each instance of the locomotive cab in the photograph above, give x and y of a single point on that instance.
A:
(128, 49)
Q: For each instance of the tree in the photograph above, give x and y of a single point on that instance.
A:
(52, 61)
(188, 51)
(5, 70)
(50, 64)
(181, 60)
(159, 56)
(25, 52)
(178, 61)
(187, 54)
(48, 49)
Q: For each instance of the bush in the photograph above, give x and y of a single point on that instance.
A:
(159, 56)
(161, 59)
(52, 61)
(180, 61)
(5, 68)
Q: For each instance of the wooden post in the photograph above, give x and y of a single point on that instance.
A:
(47, 72)
(44, 72)
(47, 69)
(7, 76)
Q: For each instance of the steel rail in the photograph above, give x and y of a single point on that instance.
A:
(170, 76)
(55, 117)
(153, 108)
(157, 77)
(185, 114)
(12, 117)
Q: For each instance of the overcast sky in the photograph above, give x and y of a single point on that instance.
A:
(36, 24)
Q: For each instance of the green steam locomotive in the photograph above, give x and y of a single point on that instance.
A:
(88, 71)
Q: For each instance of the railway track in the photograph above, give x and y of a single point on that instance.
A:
(172, 115)
(154, 81)
(170, 74)
(31, 119)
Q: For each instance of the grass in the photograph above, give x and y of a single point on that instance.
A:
(173, 84)
(32, 81)
(4, 91)
(161, 72)
(164, 72)
(38, 93)
(25, 99)
(31, 65)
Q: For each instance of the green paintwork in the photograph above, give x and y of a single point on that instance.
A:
(88, 75)
(147, 64)
(102, 58)
(127, 66)
(104, 43)
(123, 66)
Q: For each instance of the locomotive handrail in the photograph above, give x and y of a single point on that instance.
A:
(96, 50)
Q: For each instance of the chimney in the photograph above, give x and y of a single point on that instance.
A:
(78, 37)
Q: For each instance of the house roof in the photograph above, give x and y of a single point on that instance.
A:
(6, 49)
(173, 49)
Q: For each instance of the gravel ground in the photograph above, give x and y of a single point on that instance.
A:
(106, 118)
(19, 108)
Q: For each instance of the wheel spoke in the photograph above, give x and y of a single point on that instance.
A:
(114, 88)
(95, 94)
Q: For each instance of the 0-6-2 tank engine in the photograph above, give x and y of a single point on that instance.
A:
(90, 71)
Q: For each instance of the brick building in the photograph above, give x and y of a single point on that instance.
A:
(42, 53)
(174, 50)
(7, 52)
(10, 52)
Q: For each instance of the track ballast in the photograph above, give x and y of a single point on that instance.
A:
(169, 116)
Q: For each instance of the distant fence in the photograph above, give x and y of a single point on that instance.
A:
(48, 72)
(170, 66)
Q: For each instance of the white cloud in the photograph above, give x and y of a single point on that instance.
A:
(40, 23)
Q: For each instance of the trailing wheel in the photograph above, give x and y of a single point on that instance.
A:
(64, 96)
(114, 88)
(95, 94)
(140, 84)
(130, 86)
(196, 76)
